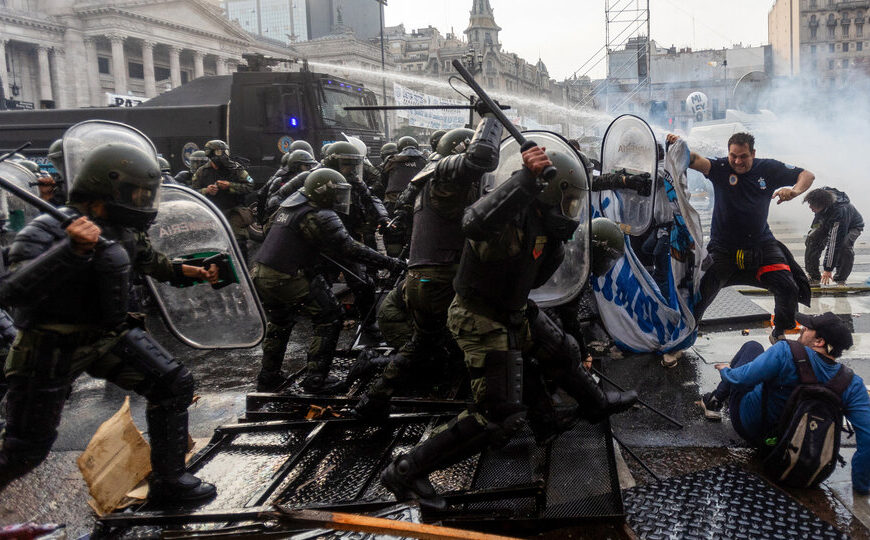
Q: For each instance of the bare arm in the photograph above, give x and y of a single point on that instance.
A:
(804, 181)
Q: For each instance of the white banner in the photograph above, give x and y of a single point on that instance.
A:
(429, 119)
(121, 100)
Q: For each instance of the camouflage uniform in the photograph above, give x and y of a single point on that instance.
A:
(230, 201)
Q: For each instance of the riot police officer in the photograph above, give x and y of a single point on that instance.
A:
(225, 183)
(165, 171)
(446, 187)
(197, 159)
(300, 144)
(49, 189)
(435, 138)
(516, 237)
(397, 173)
(70, 296)
(292, 163)
(388, 150)
(289, 277)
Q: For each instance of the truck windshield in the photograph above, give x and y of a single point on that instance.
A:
(336, 99)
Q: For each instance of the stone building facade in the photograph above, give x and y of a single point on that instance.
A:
(824, 39)
(71, 53)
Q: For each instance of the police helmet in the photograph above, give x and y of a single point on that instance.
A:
(568, 188)
(55, 155)
(327, 188)
(30, 166)
(164, 165)
(295, 160)
(197, 159)
(608, 245)
(345, 158)
(435, 137)
(215, 148)
(299, 144)
(324, 150)
(388, 149)
(125, 178)
(407, 141)
(454, 141)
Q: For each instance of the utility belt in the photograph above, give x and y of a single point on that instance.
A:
(753, 259)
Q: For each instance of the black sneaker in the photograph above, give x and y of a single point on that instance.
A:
(712, 407)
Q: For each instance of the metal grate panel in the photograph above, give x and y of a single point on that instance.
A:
(730, 306)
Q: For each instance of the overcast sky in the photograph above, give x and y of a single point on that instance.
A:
(566, 33)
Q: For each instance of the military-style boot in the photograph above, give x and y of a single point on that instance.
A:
(169, 482)
(318, 380)
(270, 381)
(274, 348)
(595, 404)
(407, 477)
(372, 408)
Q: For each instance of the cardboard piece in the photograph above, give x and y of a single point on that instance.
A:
(115, 462)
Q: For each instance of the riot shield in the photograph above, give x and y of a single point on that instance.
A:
(567, 282)
(80, 139)
(189, 228)
(629, 144)
(15, 211)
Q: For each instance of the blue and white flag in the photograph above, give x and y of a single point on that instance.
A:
(633, 309)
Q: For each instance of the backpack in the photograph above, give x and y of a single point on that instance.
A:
(805, 446)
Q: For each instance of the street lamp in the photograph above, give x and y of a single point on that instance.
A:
(383, 3)
(473, 62)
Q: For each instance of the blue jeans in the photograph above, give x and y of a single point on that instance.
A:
(747, 353)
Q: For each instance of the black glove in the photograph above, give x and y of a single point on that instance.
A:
(383, 221)
(642, 183)
(481, 108)
(396, 266)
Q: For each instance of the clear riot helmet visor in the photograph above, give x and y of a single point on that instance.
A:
(572, 201)
(350, 166)
(341, 204)
(138, 197)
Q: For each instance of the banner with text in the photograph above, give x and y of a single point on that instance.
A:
(429, 119)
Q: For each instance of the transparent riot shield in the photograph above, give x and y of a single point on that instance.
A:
(80, 139)
(567, 282)
(629, 144)
(17, 212)
(189, 228)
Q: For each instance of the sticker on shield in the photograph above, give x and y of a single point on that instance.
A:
(629, 145)
(227, 315)
(188, 149)
(569, 279)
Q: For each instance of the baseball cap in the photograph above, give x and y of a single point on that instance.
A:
(829, 327)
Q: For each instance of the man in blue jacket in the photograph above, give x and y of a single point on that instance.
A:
(825, 338)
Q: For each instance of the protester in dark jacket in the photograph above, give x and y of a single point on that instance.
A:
(836, 226)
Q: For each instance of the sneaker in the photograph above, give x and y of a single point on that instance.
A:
(841, 283)
(776, 336)
(815, 282)
(712, 407)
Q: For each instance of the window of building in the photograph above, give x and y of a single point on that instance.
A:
(135, 70)
(830, 64)
(185, 76)
(846, 47)
(859, 46)
(845, 62)
(813, 50)
(831, 32)
(845, 32)
(830, 47)
(859, 30)
(103, 65)
(813, 32)
(161, 73)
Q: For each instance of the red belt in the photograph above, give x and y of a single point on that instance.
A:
(771, 268)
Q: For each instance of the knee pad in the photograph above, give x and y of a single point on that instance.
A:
(33, 413)
(504, 385)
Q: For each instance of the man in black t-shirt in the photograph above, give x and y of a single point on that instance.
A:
(742, 248)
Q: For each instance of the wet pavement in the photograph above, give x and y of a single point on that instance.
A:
(55, 492)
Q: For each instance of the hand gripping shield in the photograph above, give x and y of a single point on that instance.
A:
(80, 139)
(629, 143)
(567, 282)
(15, 211)
(227, 315)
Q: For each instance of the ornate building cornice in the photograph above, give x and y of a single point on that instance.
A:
(27, 19)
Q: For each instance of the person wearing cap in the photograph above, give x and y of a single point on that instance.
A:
(825, 337)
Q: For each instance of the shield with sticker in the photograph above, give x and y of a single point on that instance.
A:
(15, 211)
(568, 280)
(629, 146)
(226, 315)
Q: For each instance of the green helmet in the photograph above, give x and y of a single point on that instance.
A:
(568, 188)
(454, 141)
(295, 160)
(389, 149)
(197, 159)
(435, 137)
(608, 245)
(164, 165)
(345, 158)
(125, 178)
(55, 155)
(407, 141)
(299, 144)
(216, 147)
(30, 166)
(327, 188)
(324, 150)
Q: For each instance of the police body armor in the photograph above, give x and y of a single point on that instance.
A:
(223, 199)
(436, 239)
(402, 168)
(285, 249)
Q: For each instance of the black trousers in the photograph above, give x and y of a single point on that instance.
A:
(816, 245)
(765, 266)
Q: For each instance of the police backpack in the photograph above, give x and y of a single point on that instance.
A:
(805, 446)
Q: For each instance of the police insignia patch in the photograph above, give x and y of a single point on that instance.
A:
(732, 179)
(538, 250)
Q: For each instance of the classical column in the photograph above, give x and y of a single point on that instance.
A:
(44, 74)
(93, 71)
(198, 68)
(119, 64)
(4, 73)
(148, 68)
(175, 66)
(58, 76)
(220, 66)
